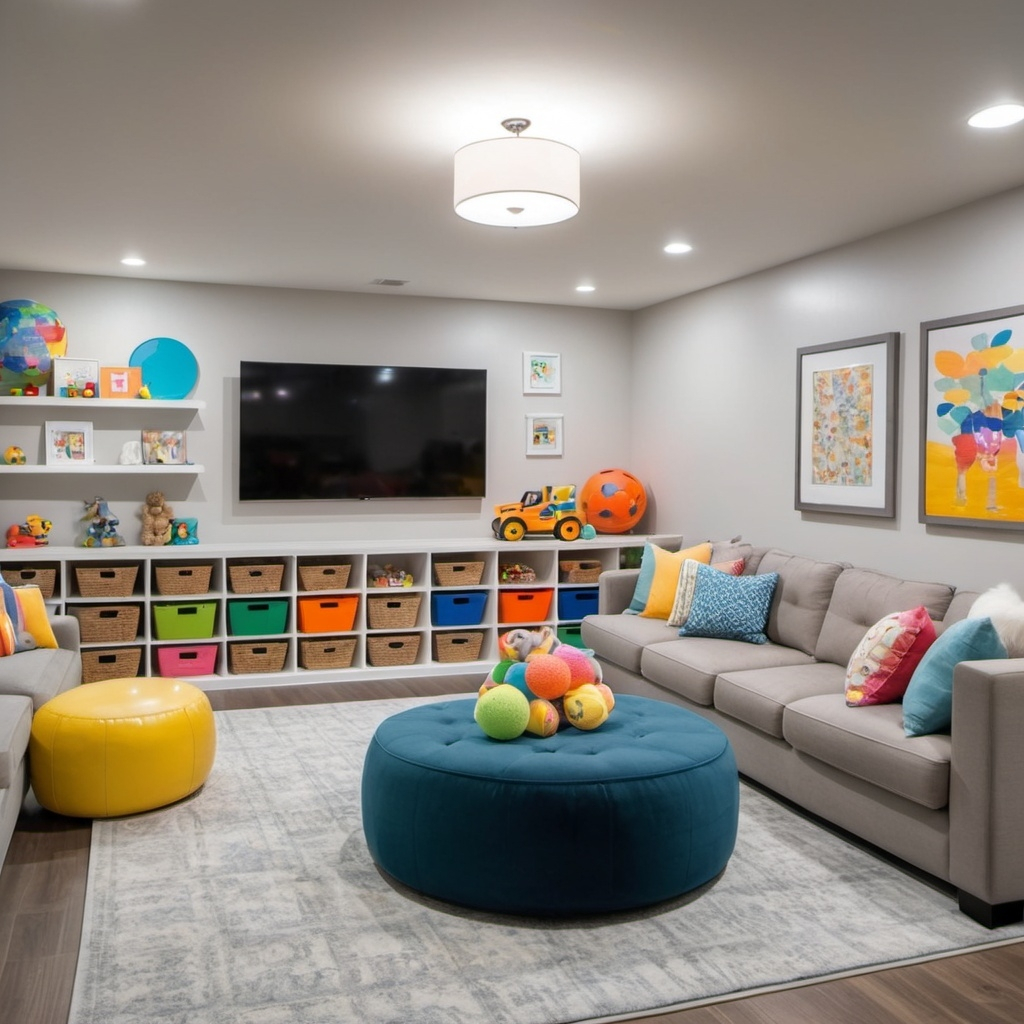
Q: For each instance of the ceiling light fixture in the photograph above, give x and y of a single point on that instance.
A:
(517, 182)
(133, 261)
(1000, 116)
(677, 248)
(585, 288)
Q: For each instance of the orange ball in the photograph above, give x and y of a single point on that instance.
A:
(548, 677)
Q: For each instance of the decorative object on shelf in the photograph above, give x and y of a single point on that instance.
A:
(185, 531)
(164, 448)
(120, 381)
(389, 576)
(156, 520)
(544, 434)
(131, 454)
(33, 533)
(75, 378)
(550, 510)
(516, 572)
(103, 524)
(31, 336)
(542, 373)
(168, 367)
(68, 443)
(613, 501)
(14, 456)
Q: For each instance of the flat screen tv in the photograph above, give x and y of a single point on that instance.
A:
(311, 432)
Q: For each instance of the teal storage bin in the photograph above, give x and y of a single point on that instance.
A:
(185, 620)
(257, 618)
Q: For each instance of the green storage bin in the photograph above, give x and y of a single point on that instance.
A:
(184, 621)
(257, 618)
(571, 635)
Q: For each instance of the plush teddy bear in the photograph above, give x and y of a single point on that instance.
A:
(156, 520)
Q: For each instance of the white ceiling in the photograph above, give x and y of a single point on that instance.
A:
(308, 143)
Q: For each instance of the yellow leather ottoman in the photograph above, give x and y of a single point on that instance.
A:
(121, 746)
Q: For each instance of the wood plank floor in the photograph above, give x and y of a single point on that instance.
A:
(42, 894)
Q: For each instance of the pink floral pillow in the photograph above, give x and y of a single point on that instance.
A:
(883, 662)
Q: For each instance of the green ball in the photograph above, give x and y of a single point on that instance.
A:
(503, 712)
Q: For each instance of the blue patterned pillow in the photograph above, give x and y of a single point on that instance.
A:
(730, 607)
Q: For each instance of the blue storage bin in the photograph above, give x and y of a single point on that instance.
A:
(459, 608)
(575, 602)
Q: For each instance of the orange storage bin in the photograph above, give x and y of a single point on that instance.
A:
(524, 605)
(327, 614)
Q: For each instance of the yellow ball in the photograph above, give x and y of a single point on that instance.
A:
(585, 707)
(543, 718)
(14, 456)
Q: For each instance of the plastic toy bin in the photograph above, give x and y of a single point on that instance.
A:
(575, 602)
(192, 621)
(458, 608)
(524, 605)
(571, 635)
(327, 614)
(253, 618)
(198, 660)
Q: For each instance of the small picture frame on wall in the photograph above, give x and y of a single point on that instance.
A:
(120, 381)
(544, 434)
(68, 443)
(164, 448)
(542, 373)
(76, 378)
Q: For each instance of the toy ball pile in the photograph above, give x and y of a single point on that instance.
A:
(540, 685)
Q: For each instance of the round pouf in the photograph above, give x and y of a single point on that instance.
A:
(121, 746)
(639, 811)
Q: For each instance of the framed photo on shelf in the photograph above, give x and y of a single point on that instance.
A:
(120, 381)
(68, 443)
(163, 448)
(75, 378)
(544, 434)
(542, 373)
(846, 426)
(972, 420)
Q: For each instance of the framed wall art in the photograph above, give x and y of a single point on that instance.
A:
(120, 381)
(972, 420)
(846, 426)
(68, 443)
(544, 434)
(542, 373)
(76, 378)
(163, 448)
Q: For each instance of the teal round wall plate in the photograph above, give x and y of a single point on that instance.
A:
(169, 369)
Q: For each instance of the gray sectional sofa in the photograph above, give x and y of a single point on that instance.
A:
(27, 681)
(949, 804)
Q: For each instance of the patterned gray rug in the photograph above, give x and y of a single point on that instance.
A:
(255, 902)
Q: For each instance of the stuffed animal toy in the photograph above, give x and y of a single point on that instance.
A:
(156, 520)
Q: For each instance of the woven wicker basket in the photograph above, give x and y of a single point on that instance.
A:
(579, 572)
(110, 663)
(245, 659)
(324, 577)
(256, 579)
(458, 646)
(44, 579)
(393, 611)
(107, 580)
(333, 652)
(107, 623)
(458, 574)
(183, 579)
(393, 649)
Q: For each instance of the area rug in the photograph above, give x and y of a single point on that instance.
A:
(255, 902)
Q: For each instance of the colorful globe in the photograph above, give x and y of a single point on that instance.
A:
(31, 334)
(613, 501)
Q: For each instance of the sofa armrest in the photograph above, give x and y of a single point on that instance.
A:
(615, 590)
(986, 813)
(65, 629)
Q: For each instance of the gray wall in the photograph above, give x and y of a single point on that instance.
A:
(714, 391)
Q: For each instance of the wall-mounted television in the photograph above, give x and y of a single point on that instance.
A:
(311, 432)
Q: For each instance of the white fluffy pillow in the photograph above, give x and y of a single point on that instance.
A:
(1004, 606)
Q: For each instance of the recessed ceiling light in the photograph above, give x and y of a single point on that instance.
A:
(676, 248)
(133, 261)
(585, 288)
(997, 117)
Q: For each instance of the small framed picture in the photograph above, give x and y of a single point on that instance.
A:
(163, 448)
(68, 444)
(544, 434)
(542, 373)
(76, 378)
(120, 381)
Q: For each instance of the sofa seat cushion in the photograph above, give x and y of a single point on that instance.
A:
(869, 743)
(621, 639)
(760, 696)
(40, 674)
(689, 666)
(15, 728)
(801, 597)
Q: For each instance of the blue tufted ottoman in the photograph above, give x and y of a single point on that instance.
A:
(641, 810)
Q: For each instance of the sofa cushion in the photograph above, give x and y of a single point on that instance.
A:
(801, 598)
(690, 665)
(730, 607)
(959, 608)
(869, 743)
(688, 583)
(883, 662)
(860, 598)
(667, 565)
(759, 697)
(40, 674)
(15, 727)
(621, 639)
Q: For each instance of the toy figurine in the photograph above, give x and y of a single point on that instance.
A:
(32, 534)
(184, 531)
(103, 524)
(156, 520)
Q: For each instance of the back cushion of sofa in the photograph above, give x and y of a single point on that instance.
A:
(861, 597)
(801, 597)
(958, 608)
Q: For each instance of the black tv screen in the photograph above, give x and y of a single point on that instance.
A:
(312, 432)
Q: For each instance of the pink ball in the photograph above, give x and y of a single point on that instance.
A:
(581, 666)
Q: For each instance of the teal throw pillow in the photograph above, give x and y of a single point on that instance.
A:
(730, 607)
(643, 582)
(928, 702)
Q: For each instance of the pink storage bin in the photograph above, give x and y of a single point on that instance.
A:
(198, 660)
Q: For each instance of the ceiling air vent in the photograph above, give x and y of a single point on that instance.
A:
(390, 282)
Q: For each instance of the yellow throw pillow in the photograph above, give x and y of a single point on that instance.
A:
(666, 576)
(34, 620)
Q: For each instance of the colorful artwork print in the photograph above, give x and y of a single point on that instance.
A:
(542, 373)
(841, 446)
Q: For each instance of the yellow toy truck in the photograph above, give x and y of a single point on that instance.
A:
(549, 510)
